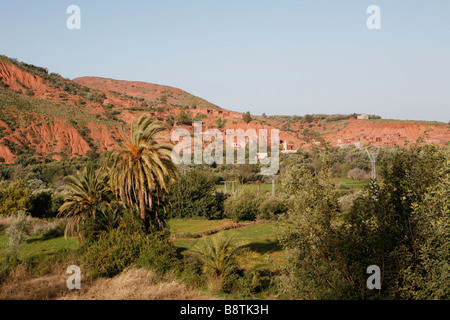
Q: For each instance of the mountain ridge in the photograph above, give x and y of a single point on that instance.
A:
(46, 116)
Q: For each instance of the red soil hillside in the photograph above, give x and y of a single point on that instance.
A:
(43, 115)
(148, 91)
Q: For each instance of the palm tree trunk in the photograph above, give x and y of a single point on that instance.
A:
(142, 211)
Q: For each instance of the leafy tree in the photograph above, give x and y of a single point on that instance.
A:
(14, 196)
(88, 191)
(309, 237)
(247, 117)
(194, 196)
(183, 118)
(243, 205)
(399, 225)
(426, 277)
(142, 169)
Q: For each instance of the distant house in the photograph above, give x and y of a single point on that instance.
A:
(363, 117)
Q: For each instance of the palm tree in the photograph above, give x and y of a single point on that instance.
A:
(88, 191)
(142, 168)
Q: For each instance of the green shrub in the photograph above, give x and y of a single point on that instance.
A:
(158, 255)
(194, 196)
(18, 230)
(243, 205)
(247, 284)
(8, 263)
(14, 196)
(271, 207)
(113, 252)
(127, 245)
(53, 229)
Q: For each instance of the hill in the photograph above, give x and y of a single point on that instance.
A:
(45, 116)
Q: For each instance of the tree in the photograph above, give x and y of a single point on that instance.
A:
(399, 225)
(14, 196)
(308, 235)
(183, 118)
(247, 117)
(194, 195)
(357, 174)
(142, 169)
(243, 205)
(88, 192)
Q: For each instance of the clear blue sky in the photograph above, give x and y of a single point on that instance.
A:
(276, 57)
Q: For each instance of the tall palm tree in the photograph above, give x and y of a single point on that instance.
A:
(142, 169)
(88, 190)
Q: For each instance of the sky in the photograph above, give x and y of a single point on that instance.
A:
(288, 57)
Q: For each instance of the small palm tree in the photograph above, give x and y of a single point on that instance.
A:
(142, 169)
(88, 191)
(218, 256)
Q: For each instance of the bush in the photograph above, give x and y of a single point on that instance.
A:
(113, 252)
(194, 196)
(158, 255)
(219, 259)
(53, 229)
(248, 283)
(271, 207)
(18, 230)
(357, 174)
(243, 205)
(127, 245)
(14, 196)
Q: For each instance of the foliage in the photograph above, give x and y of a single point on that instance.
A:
(400, 225)
(308, 235)
(219, 258)
(18, 230)
(247, 117)
(88, 191)
(142, 169)
(158, 255)
(427, 276)
(52, 229)
(221, 123)
(183, 118)
(357, 174)
(194, 196)
(127, 245)
(270, 207)
(243, 205)
(14, 196)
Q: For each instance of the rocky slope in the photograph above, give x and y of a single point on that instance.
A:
(43, 115)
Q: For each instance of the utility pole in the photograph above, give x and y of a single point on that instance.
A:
(273, 178)
(373, 154)
(232, 185)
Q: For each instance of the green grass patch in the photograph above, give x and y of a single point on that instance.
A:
(261, 240)
(178, 226)
(36, 245)
(247, 186)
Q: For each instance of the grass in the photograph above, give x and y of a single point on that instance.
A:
(248, 186)
(260, 240)
(178, 226)
(36, 245)
(350, 183)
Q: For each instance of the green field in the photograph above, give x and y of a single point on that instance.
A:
(36, 245)
(179, 226)
(260, 240)
(248, 186)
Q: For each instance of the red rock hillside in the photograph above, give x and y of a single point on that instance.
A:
(44, 115)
